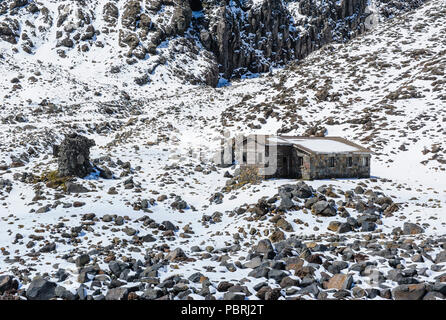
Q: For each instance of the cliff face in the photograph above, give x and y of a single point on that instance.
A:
(219, 38)
(252, 36)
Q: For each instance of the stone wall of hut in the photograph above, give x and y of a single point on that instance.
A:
(320, 166)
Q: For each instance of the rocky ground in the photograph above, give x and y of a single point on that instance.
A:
(145, 214)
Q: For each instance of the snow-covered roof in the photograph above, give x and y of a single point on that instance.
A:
(317, 144)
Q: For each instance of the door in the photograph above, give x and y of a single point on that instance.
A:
(299, 164)
(285, 167)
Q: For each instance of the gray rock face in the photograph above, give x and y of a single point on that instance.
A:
(73, 156)
(41, 289)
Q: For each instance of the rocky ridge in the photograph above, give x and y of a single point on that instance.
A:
(226, 39)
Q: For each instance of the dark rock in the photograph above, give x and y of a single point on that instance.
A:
(82, 260)
(224, 286)
(196, 277)
(176, 254)
(345, 227)
(259, 272)
(75, 188)
(277, 275)
(41, 289)
(48, 248)
(73, 156)
(367, 226)
(323, 208)
(152, 294)
(63, 293)
(234, 296)
(288, 282)
(169, 225)
(7, 283)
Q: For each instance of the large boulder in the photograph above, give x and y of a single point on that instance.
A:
(177, 254)
(412, 228)
(340, 282)
(41, 289)
(441, 257)
(73, 156)
(7, 283)
(409, 292)
(323, 208)
(264, 247)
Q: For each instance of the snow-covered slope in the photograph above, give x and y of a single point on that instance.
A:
(384, 90)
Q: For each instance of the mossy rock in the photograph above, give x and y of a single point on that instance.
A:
(247, 175)
(53, 180)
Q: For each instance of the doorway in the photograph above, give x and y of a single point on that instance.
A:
(285, 167)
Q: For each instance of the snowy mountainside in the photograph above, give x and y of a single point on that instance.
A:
(155, 40)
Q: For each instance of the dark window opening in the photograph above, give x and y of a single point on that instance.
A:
(195, 5)
(245, 156)
(266, 151)
(285, 161)
(300, 161)
(350, 161)
(332, 162)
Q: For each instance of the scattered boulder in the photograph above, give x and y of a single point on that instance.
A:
(41, 289)
(340, 281)
(7, 283)
(119, 293)
(411, 228)
(323, 208)
(409, 292)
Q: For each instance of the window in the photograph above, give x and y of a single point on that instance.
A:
(266, 151)
(331, 162)
(349, 162)
(300, 161)
(244, 157)
(366, 161)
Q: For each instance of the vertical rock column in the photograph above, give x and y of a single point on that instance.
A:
(74, 156)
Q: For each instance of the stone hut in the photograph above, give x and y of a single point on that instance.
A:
(302, 157)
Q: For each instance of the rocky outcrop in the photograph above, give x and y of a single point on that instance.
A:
(73, 156)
